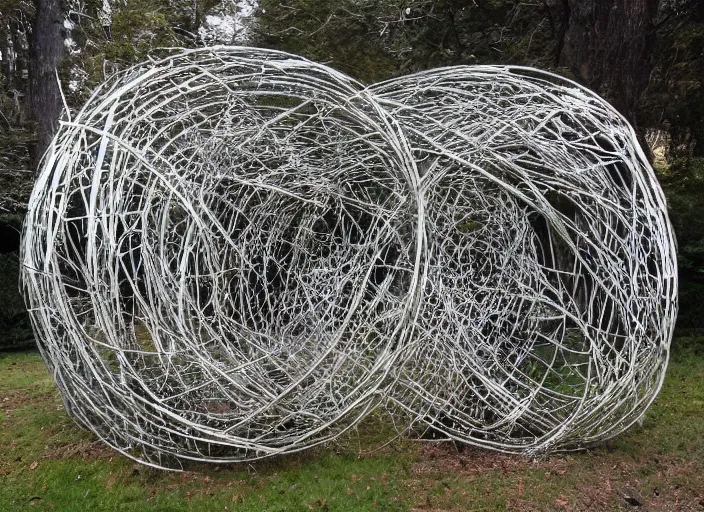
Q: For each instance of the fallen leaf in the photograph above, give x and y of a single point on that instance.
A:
(632, 497)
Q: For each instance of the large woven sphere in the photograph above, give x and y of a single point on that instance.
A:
(233, 253)
(213, 263)
(551, 293)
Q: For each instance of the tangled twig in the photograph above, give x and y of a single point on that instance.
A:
(233, 253)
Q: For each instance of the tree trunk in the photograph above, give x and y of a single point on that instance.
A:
(47, 53)
(608, 44)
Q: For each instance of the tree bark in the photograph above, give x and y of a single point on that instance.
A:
(608, 44)
(47, 53)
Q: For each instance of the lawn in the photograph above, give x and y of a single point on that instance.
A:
(48, 463)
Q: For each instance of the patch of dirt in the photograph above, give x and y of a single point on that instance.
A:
(12, 398)
(630, 483)
(86, 450)
(600, 481)
(16, 399)
(455, 459)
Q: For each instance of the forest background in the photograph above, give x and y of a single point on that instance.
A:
(646, 57)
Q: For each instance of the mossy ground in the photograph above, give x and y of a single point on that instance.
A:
(48, 463)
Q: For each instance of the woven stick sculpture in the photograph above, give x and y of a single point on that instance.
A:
(550, 299)
(233, 253)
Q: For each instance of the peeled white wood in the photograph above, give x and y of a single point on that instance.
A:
(551, 291)
(233, 253)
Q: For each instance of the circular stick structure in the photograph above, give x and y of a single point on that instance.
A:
(233, 253)
(213, 266)
(550, 298)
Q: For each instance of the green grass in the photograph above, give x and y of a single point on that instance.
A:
(48, 463)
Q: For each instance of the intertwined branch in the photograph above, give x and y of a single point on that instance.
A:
(550, 298)
(233, 253)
